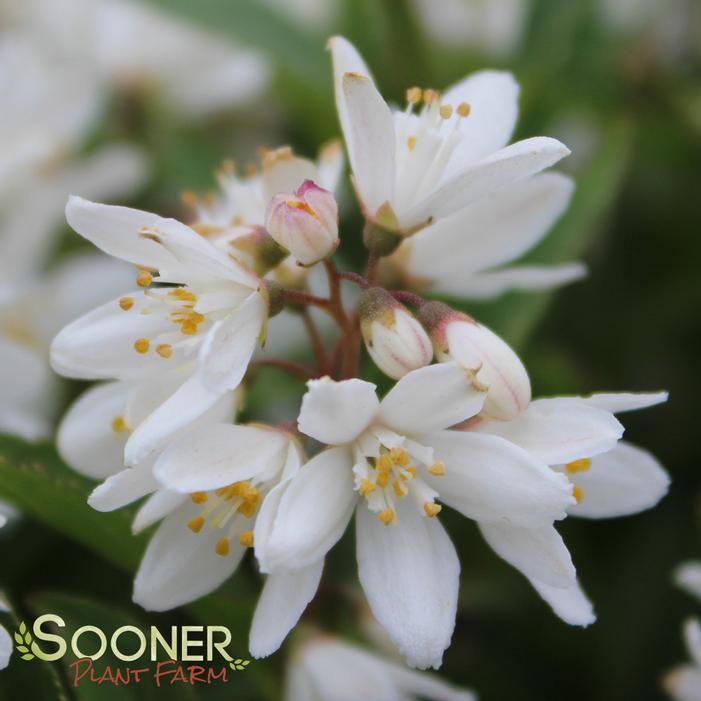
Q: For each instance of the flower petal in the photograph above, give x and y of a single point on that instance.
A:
(330, 165)
(284, 172)
(409, 572)
(6, 648)
(123, 488)
(491, 480)
(539, 553)
(302, 518)
(498, 170)
(223, 454)
(559, 430)
(180, 566)
(370, 141)
(688, 577)
(228, 346)
(623, 481)
(617, 402)
(424, 685)
(692, 637)
(570, 604)
(337, 412)
(683, 683)
(161, 503)
(431, 398)
(284, 597)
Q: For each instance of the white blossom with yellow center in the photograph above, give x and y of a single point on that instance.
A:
(390, 462)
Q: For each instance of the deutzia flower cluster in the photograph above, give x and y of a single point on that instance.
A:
(448, 202)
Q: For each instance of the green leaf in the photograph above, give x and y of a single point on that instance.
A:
(22, 648)
(23, 628)
(28, 656)
(19, 638)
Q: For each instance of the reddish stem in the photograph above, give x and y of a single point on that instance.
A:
(373, 268)
(355, 278)
(290, 366)
(408, 298)
(301, 297)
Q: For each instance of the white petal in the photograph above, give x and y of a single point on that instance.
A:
(536, 552)
(688, 577)
(496, 230)
(86, 439)
(303, 518)
(228, 346)
(218, 455)
(493, 100)
(180, 566)
(692, 637)
(521, 277)
(330, 165)
(559, 430)
(190, 401)
(570, 604)
(623, 481)
(284, 597)
(370, 141)
(6, 648)
(430, 398)
(424, 685)
(124, 488)
(337, 412)
(161, 503)
(477, 180)
(409, 572)
(491, 480)
(284, 172)
(683, 683)
(617, 402)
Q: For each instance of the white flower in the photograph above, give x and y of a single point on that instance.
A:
(463, 254)
(688, 577)
(412, 168)
(334, 669)
(204, 330)
(391, 462)
(304, 222)
(578, 437)
(226, 470)
(684, 683)
(394, 339)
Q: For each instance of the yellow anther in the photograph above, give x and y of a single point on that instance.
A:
(189, 328)
(144, 278)
(199, 497)
(446, 111)
(119, 425)
(578, 465)
(183, 294)
(251, 170)
(413, 95)
(387, 516)
(126, 303)
(141, 345)
(189, 198)
(195, 317)
(411, 143)
(398, 488)
(366, 487)
(430, 96)
(222, 547)
(384, 463)
(437, 469)
(383, 479)
(577, 493)
(464, 109)
(431, 509)
(246, 539)
(399, 456)
(165, 350)
(196, 524)
(228, 166)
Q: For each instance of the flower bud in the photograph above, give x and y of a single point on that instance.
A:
(305, 223)
(495, 366)
(395, 340)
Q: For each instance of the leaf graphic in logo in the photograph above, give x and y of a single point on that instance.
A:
(239, 664)
(23, 640)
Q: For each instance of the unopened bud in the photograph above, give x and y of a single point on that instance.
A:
(395, 340)
(495, 366)
(255, 248)
(305, 223)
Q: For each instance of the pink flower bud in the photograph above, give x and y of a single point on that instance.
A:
(304, 223)
(458, 337)
(395, 340)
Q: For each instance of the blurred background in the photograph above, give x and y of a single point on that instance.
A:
(137, 101)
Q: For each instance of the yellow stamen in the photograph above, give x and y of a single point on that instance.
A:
(183, 294)
(188, 328)
(144, 278)
(411, 143)
(399, 456)
(251, 170)
(141, 345)
(398, 488)
(431, 509)
(366, 487)
(437, 469)
(199, 497)
(384, 463)
(165, 350)
(196, 524)
(383, 479)
(222, 547)
(577, 493)
(246, 539)
(446, 111)
(413, 95)
(119, 425)
(189, 198)
(126, 303)
(578, 465)
(303, 206)
(464, 109)
(430, 96)
(228, 166)
(387, 516)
